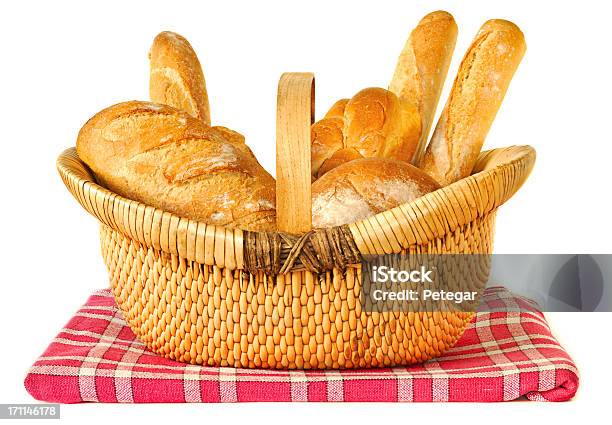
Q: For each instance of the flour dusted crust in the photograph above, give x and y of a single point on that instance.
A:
(364, 187)
(165, 158)
(479, 88)
(422, 68)
(176, 77)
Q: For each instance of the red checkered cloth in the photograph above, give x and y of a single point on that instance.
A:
(502, 356)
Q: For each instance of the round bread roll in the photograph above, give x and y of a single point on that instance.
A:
(372, 124)
(364, 187)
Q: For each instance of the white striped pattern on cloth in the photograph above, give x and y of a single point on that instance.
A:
(507, 349)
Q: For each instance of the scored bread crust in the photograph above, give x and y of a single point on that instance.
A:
(364, 187)
(163, 157)
(477, 93)
(422, 68)
(373, 123)
(176, 77)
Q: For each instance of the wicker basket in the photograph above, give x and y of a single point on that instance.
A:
(218, 296)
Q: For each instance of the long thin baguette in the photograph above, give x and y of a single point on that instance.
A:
(479, 88)
(421, 70)
(176, 77)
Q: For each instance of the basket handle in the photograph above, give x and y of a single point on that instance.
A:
(294, 116)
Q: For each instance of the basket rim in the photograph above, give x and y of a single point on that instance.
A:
(498, 174)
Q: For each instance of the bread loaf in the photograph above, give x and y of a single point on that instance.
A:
(374, 123)
(476, 95)
(327, 136)
(364, 187)
(165, 158)
(176, 77)
(421, 70)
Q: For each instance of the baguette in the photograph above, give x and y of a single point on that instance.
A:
(421, 70)
(477, 93)
(176, 77)
(163, 157)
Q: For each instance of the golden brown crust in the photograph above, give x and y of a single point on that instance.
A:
(338, 158)
(337, 109)
(372, 124)
(479, 88)
(176, 77)
(326, 138)
(422, 68)
(229, 134)
(165, 158)
(364, 187)
(376, 124)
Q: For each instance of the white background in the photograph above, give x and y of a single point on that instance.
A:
(61, 63)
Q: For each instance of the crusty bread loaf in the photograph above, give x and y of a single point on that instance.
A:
(364, 187)
(176, 77)
(165, 158)
(476, 95)
(372, 124)
(421, 70)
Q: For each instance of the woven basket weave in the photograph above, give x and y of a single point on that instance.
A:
(211, 295)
